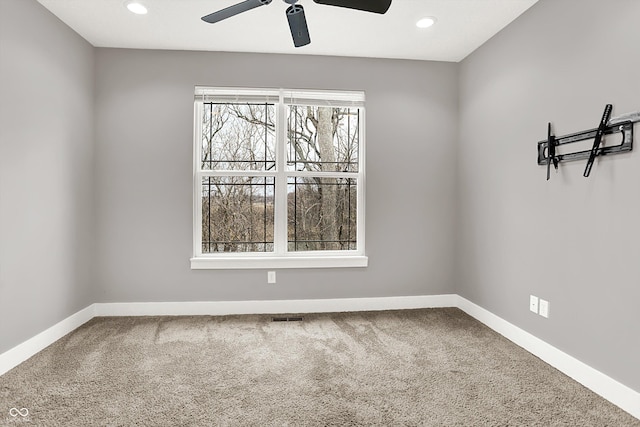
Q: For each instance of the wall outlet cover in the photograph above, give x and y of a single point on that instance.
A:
(533, 303)
(544, 308)
(271, 277)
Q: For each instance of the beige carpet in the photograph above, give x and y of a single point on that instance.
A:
(432, 367)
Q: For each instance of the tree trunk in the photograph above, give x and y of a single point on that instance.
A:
(329, 189)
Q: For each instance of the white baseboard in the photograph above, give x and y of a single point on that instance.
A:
(218, 308)
(18, 354)
(608, 388)
(603, 385)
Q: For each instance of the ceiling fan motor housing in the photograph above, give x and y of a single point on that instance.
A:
(298, 25)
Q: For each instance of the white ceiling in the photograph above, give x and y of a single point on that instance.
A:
(462, 26)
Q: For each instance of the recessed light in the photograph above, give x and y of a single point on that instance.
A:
(136, 7)
(426, 22)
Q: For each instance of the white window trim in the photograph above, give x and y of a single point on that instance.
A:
(279, 259)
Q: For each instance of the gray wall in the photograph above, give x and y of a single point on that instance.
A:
(573, 241)
(46, 144)
(144, 131)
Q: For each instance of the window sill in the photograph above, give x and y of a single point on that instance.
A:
(229, 263)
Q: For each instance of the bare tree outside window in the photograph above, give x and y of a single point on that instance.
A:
(237, 214)
(237, 211)
(322, 210)
(238, 136)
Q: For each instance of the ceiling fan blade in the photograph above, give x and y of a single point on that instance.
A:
(375, 6)
(234, 10)
(298, 25)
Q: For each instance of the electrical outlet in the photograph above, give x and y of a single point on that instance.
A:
(544, 308)
(271, 277)
(533, 303)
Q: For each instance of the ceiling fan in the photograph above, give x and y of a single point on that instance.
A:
(295, 13)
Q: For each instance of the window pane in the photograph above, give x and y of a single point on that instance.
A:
(237, 214)
(322, 138)
(322, 214)
(238, 136)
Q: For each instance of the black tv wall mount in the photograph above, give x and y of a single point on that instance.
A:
(621, 124)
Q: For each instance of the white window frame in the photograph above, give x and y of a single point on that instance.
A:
(281, 257)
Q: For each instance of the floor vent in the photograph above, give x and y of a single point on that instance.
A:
(286, 319)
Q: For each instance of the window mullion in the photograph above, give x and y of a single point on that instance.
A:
(361, 184)
(252, 173)
(280, 231)
(197, 180)
(318, 174)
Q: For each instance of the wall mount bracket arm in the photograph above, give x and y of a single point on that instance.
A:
(598, 139)
(548, 149)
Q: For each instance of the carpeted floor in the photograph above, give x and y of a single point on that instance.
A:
(431, 367)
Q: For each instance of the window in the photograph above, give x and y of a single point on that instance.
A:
(278, 179)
